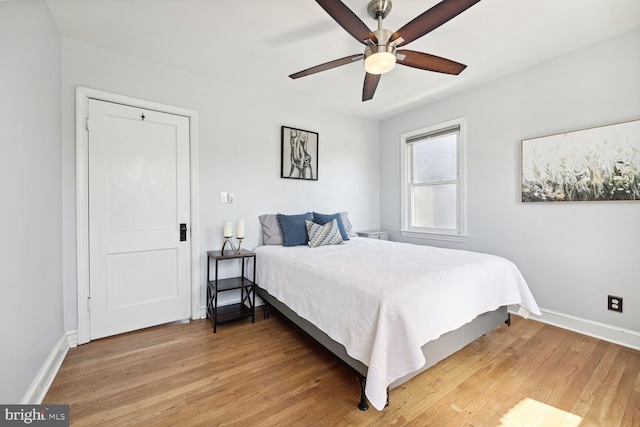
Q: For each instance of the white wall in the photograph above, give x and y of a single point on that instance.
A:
(572, 254)
(31, 315)
(239, 147)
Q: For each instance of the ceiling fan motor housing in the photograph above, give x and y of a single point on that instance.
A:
(370, 50)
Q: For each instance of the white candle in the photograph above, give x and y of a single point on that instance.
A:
(240, 229)
(227, 230)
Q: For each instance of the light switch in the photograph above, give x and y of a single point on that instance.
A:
(223, 197)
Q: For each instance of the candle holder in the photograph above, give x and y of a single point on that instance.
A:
(233, 247)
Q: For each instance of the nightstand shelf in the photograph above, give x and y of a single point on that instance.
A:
(241, 310)
(232, 312)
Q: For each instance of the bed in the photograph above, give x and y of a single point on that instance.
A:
(389, 310)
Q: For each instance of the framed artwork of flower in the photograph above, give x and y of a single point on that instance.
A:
(596, 164)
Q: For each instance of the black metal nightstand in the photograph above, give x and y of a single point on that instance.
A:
(247, 305)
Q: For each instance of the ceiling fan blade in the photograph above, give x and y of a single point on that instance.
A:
(328, 65)
(424, 61)
(370, 85)
(430, 20)
(348, 20)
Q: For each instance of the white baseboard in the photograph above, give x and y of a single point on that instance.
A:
(609, 333)
(40, 385)
(72, 338)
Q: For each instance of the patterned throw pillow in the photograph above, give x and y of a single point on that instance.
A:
(327, 234)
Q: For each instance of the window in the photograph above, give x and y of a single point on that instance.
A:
(433, 202)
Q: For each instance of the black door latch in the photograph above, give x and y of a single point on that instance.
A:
(183, 232)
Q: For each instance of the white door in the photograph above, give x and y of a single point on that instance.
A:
(139, 195)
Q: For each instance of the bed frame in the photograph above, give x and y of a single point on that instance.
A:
(434, 351)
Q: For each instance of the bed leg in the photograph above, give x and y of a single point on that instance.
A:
(508, 321)
(363, 405)
(266, 310)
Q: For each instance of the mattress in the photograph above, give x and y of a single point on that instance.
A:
(384, 300)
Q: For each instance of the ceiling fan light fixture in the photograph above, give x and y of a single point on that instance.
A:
(379, 59)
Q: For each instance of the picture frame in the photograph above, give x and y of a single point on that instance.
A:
(299, 154)
(595, 164)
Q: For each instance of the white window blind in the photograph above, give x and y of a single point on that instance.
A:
(433, 190)
(433, 179)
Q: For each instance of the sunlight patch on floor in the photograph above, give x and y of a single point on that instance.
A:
(530, 412)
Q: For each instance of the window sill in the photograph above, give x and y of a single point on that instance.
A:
(434, 236)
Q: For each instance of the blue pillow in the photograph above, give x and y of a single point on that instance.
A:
(294, 230)
(322, 219)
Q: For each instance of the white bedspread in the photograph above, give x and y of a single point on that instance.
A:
(384, 300)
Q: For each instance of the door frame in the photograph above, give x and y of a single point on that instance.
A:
(83, 94)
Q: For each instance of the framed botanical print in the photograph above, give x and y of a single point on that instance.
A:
(596, 164)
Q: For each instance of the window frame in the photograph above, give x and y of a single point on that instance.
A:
(459, 234)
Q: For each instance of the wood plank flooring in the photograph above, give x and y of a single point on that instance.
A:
(269, 373)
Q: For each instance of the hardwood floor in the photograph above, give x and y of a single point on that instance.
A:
(268, 373)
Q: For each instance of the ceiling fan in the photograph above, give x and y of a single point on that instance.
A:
(381, 53)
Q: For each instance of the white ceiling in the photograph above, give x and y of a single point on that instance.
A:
(258, 43)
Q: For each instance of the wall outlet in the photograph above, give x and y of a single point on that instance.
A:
(614, 303)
